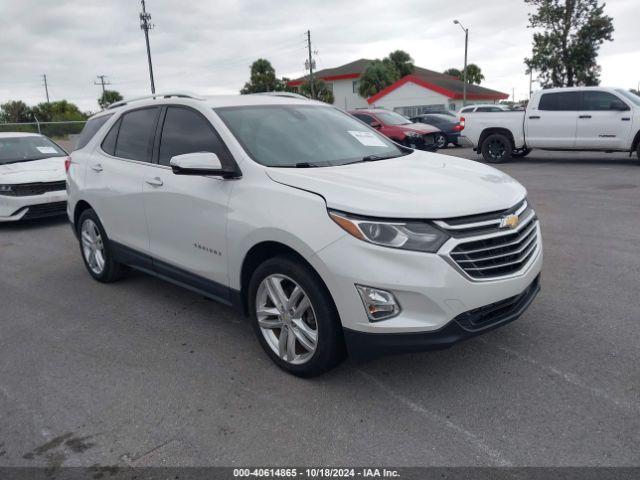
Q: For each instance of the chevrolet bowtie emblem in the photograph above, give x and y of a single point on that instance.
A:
(510, 221)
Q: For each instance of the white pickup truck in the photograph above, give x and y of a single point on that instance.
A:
(576, 118)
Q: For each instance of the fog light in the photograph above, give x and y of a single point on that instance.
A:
(379, 304)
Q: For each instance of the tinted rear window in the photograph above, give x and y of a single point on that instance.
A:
(560, 102)
(90, 129)
(136, 134)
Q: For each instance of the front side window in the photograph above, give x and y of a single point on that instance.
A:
(467, 110)
(26, 149)
(629, 96)
(186, 131)
(560, 101)
(90, 129)
(392, 118)
(304, 135)
(135, 136)
(595, 101)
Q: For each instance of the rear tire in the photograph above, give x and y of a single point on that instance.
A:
(638, 153)
(440, 141)
(286, 326)
(497, 148)
(96, 250)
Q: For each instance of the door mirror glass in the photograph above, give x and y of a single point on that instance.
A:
(200, 163)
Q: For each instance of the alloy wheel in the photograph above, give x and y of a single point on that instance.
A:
(441, 141)
(92, 246)
(497, 149)
(286, 319)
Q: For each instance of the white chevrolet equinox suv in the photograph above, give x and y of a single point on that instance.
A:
(331, 237)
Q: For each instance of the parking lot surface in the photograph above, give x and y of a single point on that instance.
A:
(141, 372)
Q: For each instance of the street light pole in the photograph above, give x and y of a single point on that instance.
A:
(464, 72)
(146, 25)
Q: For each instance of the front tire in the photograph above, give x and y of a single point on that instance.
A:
(497, 148)
(294, 317)
(96, 250)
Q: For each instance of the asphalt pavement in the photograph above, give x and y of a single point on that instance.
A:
(141, 372)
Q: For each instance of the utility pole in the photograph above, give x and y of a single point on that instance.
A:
(313, 94)
(464, 72)
(530, 82)
(145, 25)
(102, 82)
(46, 86)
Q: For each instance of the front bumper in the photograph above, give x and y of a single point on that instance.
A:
(34, 206)
(363, 345)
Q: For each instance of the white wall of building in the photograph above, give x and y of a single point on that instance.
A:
(343, 96)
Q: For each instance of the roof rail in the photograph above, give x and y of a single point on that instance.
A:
(283, 94)
(156, 95)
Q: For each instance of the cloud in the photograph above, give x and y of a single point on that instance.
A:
(208, 46)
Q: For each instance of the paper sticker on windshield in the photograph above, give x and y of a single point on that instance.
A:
(47, 150)
(367, 139)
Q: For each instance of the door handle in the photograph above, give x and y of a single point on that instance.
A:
(534, 117)
(155, 181)
(626, 119)
(584, 116)
(96, 167)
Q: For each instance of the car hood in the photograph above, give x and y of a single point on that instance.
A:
(419, 127)
(45, 170)
(420, 185)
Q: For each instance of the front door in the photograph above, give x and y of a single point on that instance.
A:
(187, 214)
(602, 124)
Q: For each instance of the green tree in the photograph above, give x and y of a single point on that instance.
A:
(453, 72)
(15, 111)
(262, 79)
(565, 50)
(401, 61)
(60, 111)
(320, 88)
(108, 97)
(474, 74)
(378, 76)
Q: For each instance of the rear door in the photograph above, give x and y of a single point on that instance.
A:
(187, 214)
(553, 123)
(602, 124)
(114, 177)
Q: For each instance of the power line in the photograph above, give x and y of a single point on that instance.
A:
(145, 25)
(102, 82)
(46, 86)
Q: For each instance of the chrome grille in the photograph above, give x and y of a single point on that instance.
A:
(500, 252)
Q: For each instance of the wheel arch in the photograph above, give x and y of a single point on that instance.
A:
(636, 141)
(80, 207)
(258, 254)
(495, 130)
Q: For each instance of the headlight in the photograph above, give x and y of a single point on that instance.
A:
(420, 236)
(6, 189)
(411, 134)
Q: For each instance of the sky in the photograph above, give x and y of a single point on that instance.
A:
(207, 46)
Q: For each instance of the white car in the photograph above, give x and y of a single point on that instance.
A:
(32, 177)
(326, 233)
(579, 118)
(483, 108)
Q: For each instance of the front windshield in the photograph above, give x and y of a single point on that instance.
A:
(630, 95)
(304, 135)
(393, 118)
(25, 149)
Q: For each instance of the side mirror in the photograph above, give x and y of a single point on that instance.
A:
(200, 163)
(376, 124)
(619, 106)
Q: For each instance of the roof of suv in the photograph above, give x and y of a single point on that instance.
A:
(212, 101)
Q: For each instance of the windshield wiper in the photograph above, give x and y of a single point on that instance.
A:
(306, 165)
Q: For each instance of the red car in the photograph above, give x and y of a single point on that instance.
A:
(399, 129)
